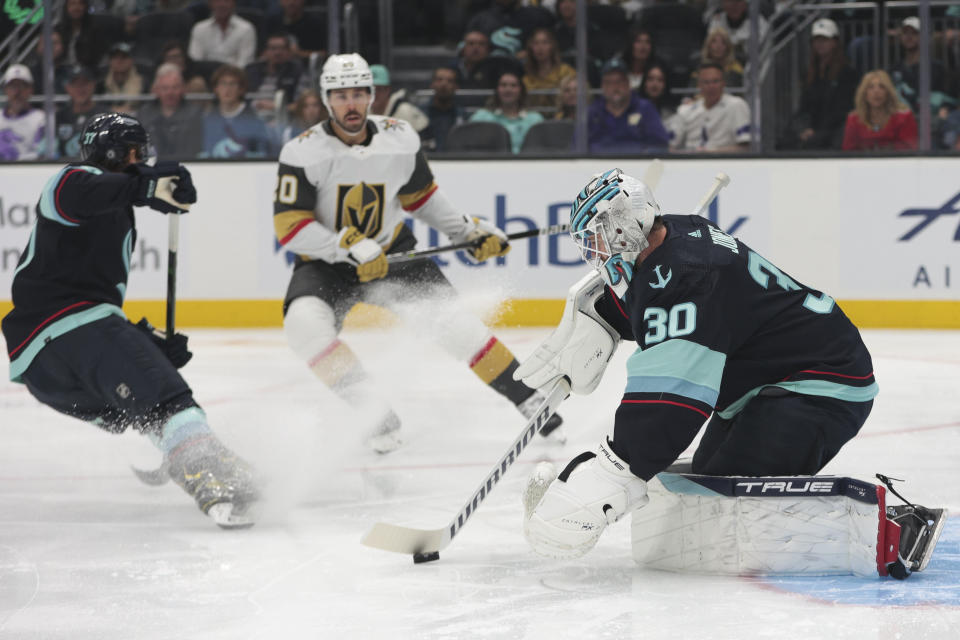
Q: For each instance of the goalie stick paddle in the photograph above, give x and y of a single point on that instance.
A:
(391, 537)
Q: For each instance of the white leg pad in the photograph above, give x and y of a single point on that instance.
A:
(573, 512)
(760, 526)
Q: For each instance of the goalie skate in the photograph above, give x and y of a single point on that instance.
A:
(221, 483)
(920, 529)
(386, 437)
(551, 430)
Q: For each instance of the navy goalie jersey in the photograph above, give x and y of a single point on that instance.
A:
(715, 323)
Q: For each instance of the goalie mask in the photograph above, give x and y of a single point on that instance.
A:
(610, 221)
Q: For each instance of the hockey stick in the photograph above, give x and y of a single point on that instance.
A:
(426, 544)
(406, 256)
(719, 182)
(159, 476)
(651, 177)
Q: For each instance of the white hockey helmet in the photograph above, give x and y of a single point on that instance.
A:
(610, 221)
(344, 71)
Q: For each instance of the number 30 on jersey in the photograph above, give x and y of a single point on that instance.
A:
(680, 320)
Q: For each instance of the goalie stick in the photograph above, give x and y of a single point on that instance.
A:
(391, 537)
(651, 177)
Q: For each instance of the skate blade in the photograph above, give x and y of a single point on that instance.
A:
(933, 538)
(385, 442)
(225, 517)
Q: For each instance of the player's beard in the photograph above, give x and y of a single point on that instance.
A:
(351, 129)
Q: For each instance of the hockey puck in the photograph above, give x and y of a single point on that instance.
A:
(426, 557)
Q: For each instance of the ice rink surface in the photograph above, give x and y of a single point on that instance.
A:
(86, 551)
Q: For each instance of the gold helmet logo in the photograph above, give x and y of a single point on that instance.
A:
(361, 206)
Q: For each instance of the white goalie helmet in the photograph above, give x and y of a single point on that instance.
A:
(344, 71)
(610, 221)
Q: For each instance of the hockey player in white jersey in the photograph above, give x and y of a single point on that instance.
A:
(344, 187)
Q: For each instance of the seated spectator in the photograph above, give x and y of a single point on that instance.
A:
(224, 36)
(905, 75)
(72, 116)
(82, 42)
(543, 69)
(443, 109)
(827, 91)
(735, 19)
(231, 128)
(308, 111)
(566, 30)
(60, 67)
(21, 126)
(175, 53)
(175, 125)
(638, 56)
(277, 71)
(880, 119)
(716, 121)
(656, 89)
(508, 108)
(478, 69)
(718, 48)
(566, 105)
(122, 78)
(509, 24)
(394, 103)
(308, 32)
(620, 121)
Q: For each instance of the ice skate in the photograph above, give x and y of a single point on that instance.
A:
(221, 483)
(551, 430)
(920, 529)
(386, 437)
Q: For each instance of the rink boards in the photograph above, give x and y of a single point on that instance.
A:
(880, 235)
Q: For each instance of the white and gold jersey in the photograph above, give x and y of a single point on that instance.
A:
(324, 185)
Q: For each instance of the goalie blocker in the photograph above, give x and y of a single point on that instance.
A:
(800, 525)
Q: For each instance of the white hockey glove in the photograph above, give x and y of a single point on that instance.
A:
(564, 517)
(362, 253)
(579, 348)
(488, 241)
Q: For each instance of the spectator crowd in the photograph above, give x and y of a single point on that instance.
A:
(236, 78)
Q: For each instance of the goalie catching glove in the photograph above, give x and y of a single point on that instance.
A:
(362, 254)
(579, 348)
(488, 241)
(564, 517)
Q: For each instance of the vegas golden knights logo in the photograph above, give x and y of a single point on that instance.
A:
(360, 206)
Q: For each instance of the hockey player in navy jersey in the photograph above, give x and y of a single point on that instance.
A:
(344, 188)
(776, 370)
(68, 339)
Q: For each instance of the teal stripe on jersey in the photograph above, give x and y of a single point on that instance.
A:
(127, 252)
(31, 249)
(48, 198)
(677, 366)
(810, 388)
(678, 484)
(56, 329)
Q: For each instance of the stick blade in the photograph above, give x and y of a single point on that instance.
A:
(651, 176)
(390, 537)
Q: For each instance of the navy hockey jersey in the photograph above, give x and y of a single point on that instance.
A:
(715, 323)
(75, 266)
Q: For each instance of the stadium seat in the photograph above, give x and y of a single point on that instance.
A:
(478, 136)
(549, 135)
(156, 29)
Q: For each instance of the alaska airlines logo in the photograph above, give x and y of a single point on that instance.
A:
(661, 281)
(948, 208)
(360, 206)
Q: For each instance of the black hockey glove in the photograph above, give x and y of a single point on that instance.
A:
(175, 348)
(157, 185)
